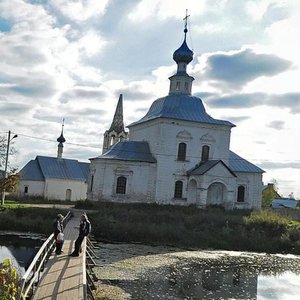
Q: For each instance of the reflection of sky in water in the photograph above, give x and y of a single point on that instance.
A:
(6, 253)
(19, 250)
(281, 287)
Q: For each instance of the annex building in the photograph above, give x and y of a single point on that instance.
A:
(54, 178)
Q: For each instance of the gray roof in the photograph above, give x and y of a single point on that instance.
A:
(284, 202)
(180, 107)
(129, 151)
(203, 167)
(239, 164)
(52, 167)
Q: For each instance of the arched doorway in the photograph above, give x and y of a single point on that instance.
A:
(216, 193)
(68, 194)
(192, 192)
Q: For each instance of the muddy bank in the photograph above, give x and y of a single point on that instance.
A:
(129, 271)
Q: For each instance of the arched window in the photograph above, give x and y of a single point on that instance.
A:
(241, 194)
(205, 153)
(186, 86)
(121, 185)
(92, 183)
(181, 151)
(178, 189)
(112, 139)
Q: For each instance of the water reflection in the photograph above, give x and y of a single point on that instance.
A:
(20, 249)
(231, 277)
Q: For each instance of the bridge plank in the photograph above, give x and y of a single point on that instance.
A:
(62, 278)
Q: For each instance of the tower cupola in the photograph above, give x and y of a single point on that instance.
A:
(61, 140)
(181, 82)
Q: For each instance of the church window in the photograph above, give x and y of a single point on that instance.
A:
(26, 190)
(241, 194)
(205, 153)
(178, 189)
(121, 185)
(181, 151)
(186, 86)
(112, 140)
(177, 85)
(92, 183)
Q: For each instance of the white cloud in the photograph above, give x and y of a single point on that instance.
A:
(80, 10)
(163, 9)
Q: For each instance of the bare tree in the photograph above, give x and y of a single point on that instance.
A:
(8, 182)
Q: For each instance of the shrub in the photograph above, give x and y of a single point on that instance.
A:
(8, 281)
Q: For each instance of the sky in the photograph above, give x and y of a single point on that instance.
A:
(70, 59)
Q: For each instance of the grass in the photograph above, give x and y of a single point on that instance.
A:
(211, 228)
(27, 219)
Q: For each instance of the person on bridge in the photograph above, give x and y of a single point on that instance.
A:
(84, 230)
(58, 229)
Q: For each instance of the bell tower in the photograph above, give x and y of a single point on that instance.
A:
(116, 131)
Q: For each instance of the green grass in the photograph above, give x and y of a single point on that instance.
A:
(211, 228)
(28, 219)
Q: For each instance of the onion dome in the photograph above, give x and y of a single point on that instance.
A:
(61, 139)
(183, 53)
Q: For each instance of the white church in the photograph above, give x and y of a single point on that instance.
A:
(176, 154)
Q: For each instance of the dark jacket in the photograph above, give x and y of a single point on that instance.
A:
(84, 228)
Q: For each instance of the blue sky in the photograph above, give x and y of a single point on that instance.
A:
(72, 58)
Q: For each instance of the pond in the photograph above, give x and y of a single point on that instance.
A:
(19, 248)
(143, 272)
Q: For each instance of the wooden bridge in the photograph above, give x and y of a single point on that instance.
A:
(58, 277)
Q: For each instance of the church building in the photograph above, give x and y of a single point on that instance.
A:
(175, 154)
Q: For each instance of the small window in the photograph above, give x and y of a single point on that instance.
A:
(205, 153)
(186, 86)
(241, 194)
(121, 185)
(26, 190)
(178, 189)
(177, 85)
(112, 140)
(181, 151)
(92, 183)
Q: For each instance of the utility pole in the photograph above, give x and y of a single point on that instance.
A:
(6, 163)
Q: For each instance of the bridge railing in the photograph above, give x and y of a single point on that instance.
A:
(88, 262)
(33, 273)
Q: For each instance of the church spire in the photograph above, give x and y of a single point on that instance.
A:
(181, 82)
(61, 140)
(116, 131)
(117, 124)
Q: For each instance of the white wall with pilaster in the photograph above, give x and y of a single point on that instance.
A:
(140, 180)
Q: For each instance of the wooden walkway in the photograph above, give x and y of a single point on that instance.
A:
(62, 278)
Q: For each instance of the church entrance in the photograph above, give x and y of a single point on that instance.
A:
(192, 192)
(216, 194)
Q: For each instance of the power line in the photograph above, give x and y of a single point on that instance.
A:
(136, 152)
(54, 141)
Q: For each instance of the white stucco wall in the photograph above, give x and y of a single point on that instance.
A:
(254, 187)
(140, 177)
(35, 188)
(56, 189)
(164, 136)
